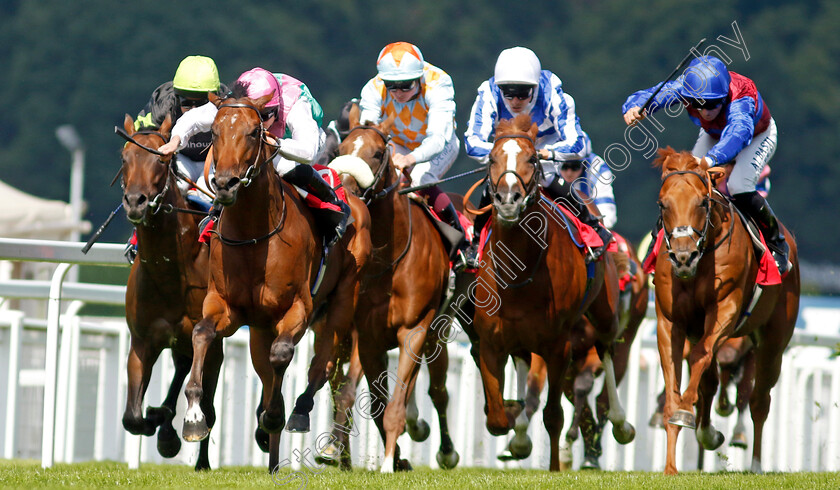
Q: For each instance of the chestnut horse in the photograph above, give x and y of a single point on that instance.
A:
(705, 286)
(534, 287)
(401, 292)
(264, 264)
(165, 290)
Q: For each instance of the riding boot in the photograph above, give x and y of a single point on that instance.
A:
(208, 223)
(130, 251)
(756, 207)
(559, 189)
(309, 179)
(449, 215)
(478, 224)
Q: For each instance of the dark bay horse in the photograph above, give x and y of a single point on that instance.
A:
(534, 286)
(165, 290)
(705, 284)
(402, 292)
(265, 261)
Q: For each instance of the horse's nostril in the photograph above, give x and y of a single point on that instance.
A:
(517, 196)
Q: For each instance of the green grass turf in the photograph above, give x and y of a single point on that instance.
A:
(28, 474)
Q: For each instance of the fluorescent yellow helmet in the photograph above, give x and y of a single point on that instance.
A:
(196, 74)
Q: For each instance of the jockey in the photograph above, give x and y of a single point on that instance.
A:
(194, 78)
(291, 117)
(592, 178)
(520, 86)
(736, 126)
(337, 130)
(424, 145)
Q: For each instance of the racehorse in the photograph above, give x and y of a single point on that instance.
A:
(536, 315)
(705, 287)
(265, 258)
(401, 292)
(165, 290)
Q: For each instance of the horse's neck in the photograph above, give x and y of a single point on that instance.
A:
(256, 209)
(517, 246)
(169, 239)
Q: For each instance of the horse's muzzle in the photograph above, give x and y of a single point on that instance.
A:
(226, 189)
(509, 204)
(684, 262)
(135, 204)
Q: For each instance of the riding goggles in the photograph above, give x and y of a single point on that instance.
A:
(401, 85)
(268, 113)
(520, 92)
(575, 165)
(190, 102)
(707, 104)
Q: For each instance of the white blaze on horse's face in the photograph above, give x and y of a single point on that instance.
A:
(357, 145)
(512, 150)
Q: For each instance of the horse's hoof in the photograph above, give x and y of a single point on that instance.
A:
(269, 425)
(448, 461)
(418, 431)
(195, 431)
(657, 420)
(262, 439)
(402, 465)
(202, 465)
(624, 434)
(298, 422)
(724, 409)
(590, 463)
(168, 447)
(520, 447)
(683, 418)
(158, 415)
(739, 440)
(710, 439)
(329, 455)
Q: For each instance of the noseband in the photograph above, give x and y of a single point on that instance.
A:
(368, 195)
(253, 170)
(531, 188)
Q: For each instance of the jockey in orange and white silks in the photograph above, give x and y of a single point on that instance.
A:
(421, 97)
(290, 117)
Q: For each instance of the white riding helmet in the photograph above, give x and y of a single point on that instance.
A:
(517, 66)
(400, 61)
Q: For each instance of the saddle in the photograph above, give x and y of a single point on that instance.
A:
(450, 236)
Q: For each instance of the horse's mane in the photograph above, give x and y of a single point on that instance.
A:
(519, 124)
(671, 160)
(239, 90)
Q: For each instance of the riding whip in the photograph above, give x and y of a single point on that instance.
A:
(682, 63)
(431, 184)
(98, 234)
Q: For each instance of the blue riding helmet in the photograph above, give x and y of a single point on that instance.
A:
(705, 78)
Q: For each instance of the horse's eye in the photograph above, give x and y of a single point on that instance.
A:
(533, 160)
(255, 133)
(378, 155)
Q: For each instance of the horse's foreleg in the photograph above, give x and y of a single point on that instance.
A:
(447, 457)
(320, 368)
(195, 424)
(671, 342)
(141, 359)
(212, 368)
(553, 412)
(168, 442)
(707, 435)
(623, 431)
(492, 367)
(411, 342)
(530, 383)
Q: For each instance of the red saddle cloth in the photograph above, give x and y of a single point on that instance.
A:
(619, 244)
(585, 233)
(768, 273)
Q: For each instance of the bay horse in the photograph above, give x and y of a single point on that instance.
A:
(265, 258)
(401, 293)
(165, 290)
(705, 287)
(536, 315)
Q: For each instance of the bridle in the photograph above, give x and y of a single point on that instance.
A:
(155, 202)
(370, 194)
(531, 188)
(689, 231)
(253, 170)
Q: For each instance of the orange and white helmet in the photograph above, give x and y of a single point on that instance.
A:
(400, 61)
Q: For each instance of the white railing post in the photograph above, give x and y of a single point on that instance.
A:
(53, 316)
(15, 327)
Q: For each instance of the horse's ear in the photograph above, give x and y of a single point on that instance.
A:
(262, 101)
(533, 131)
(355, 114)
(387, 124)
(128, 125)
(214, 99)
(664, 153)
(166, 126)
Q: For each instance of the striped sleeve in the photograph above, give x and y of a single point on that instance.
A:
(483, 118)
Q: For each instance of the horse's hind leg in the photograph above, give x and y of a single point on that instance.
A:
(337, 451)
(319, 371)
(553, 412)
(447, 457)
(745, 387)
(141, 359)
(168, 442)
(530, 383)
(212, 368)
(768, 365)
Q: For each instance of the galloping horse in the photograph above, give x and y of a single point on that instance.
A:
(165, 290)
(534, 287)
(401, 292)
(264, 267)
(705, 293)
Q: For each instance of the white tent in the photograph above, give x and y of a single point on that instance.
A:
(28, 216)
